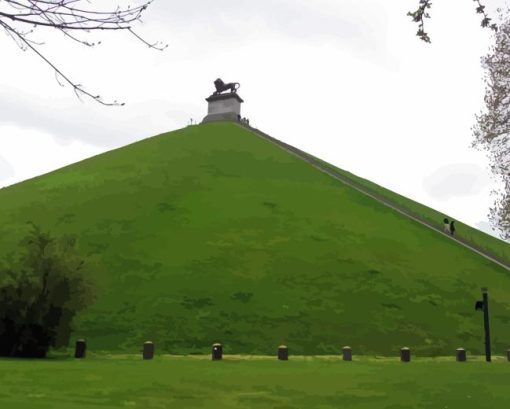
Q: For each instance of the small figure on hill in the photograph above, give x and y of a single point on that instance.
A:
(248, 121)
(446, 225)
(238, 118)
(452, 228)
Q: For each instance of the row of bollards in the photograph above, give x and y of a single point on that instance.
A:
(283, 352)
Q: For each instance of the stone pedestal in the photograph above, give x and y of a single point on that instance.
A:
(223, 107)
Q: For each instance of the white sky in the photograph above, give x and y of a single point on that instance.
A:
(345, 80)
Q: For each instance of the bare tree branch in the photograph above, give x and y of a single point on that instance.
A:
(418, 16)
(67, 17)
(421, 13)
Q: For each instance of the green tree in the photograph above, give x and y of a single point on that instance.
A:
(41, 288)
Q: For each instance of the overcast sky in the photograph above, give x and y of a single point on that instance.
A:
(345, 80)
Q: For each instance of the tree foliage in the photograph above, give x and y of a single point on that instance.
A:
(19, 19)
(41, 288)
(425, 5)
(492, 126)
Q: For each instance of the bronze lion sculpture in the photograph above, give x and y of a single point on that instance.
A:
(221, 86)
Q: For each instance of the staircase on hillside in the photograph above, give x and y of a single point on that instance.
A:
(317, 164)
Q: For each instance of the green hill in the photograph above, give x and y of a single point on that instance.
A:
(211, 233)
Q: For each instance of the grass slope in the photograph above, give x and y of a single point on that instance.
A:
(210, 233)
(479, 238)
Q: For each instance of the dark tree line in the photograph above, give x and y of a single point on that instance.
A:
(20, 19)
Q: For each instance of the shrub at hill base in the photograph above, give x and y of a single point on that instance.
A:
(41, 289)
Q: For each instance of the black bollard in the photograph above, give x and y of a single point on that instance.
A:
(405, 354)
(347, 353)
(217, 352)
(148, 350)
(283, 353)
(81, 348)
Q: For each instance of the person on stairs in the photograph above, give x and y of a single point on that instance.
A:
(452, 228)
(446, 225)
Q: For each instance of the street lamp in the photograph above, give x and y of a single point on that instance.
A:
(484, 305)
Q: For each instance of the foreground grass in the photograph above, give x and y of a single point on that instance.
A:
(112, 381)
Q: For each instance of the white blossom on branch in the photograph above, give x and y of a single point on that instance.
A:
(492, 128)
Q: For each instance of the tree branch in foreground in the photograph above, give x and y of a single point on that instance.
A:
(67, 17)
(421, 13)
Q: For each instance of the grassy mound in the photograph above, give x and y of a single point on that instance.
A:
(210, 233)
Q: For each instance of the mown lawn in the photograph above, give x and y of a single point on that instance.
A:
(115, 381)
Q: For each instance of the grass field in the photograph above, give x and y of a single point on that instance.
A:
(212, 234)
(119, 381)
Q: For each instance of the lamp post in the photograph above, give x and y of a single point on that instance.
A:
(484, 304)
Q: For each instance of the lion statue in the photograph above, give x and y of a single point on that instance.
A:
(221, 86)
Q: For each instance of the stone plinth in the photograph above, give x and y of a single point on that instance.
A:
(223, 107)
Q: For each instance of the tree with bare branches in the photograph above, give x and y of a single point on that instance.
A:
(20, 18)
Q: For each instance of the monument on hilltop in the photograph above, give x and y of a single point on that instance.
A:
(224, 107)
